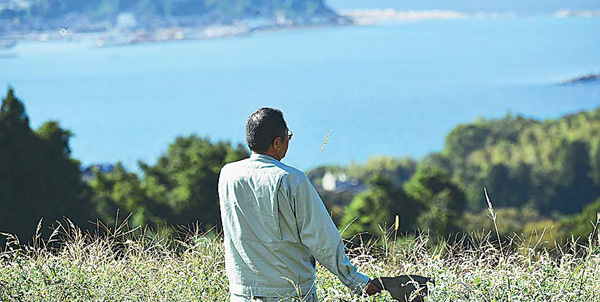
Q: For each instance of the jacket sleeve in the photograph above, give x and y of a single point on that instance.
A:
(321, 236)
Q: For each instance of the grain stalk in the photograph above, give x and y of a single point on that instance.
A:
(320, 150)
(493, 217)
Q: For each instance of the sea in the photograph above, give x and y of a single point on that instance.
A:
(392, 88)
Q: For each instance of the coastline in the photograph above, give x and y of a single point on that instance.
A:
(123, 35)
(368, 17)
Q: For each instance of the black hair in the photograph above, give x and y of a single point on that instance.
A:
(263, 126)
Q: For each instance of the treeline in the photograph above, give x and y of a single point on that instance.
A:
(39, 179)
(146, 10)
(539, 174)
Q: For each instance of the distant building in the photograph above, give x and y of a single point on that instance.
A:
(339, 183)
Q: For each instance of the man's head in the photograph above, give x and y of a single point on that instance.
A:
(267, 133)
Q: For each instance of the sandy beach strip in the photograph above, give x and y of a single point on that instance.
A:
(380, 15)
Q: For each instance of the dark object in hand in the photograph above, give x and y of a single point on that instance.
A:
(405, 287)
(372, 289)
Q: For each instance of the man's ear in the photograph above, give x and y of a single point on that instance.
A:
(277, 143)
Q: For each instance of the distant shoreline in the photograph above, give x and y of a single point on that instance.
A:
(360, 17)
(371, 16)
(124, 37)
(566, 13)
(367, 17)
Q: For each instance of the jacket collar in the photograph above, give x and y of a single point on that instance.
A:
(262, 156)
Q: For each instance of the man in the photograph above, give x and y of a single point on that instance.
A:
(275, 224)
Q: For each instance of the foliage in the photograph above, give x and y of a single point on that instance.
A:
(511, 221)
(374, 210)
(316, 174)
(122, 191)
(394, 170)
(336, 203)
(186, 178)
(584, 223)
(38, 178)
(536, 172)
(552, 165)
(444, 201)
(397, 170)
(146, 9)
(546, 232)
(428, 201)
(180, 189)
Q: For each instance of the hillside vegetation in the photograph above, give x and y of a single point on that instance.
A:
(72, 13)
(551, 165)
(539, 175)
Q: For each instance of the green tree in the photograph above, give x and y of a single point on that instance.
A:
(444, 201)
(38, 178)
(575, 184)
(397, 170)
(377, 207)
(552, 165)
(511, 187)
(582, 224)
(180, 189)
(464, 139)
(186, 178)
(119, 191)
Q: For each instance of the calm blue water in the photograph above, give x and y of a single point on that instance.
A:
(393, 89)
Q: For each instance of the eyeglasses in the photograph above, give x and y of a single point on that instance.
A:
(289, 134)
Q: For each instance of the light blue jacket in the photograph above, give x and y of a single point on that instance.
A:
(275, 226)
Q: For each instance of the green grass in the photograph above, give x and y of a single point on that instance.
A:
(137, 266)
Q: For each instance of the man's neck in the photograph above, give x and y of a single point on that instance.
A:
(271, 154)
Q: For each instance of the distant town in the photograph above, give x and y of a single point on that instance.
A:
(136, 21)
(114, 23)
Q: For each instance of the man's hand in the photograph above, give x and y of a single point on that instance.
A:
(372, 289)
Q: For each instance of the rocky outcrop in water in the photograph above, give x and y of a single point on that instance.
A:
(587, 79)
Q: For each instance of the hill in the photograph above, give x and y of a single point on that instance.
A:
(536, 172)
(552, 165)
(89, 14)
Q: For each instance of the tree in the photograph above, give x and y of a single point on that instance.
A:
(584, 223)
(180, 189)
(396, 170)
(378, 207)
(38, 178)
(119, 191)
(510, 186)
(466, 138)
(552, 165)
(575, 184)
(443, 200)
(186, 179)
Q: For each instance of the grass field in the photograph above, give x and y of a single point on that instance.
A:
(135, 266)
